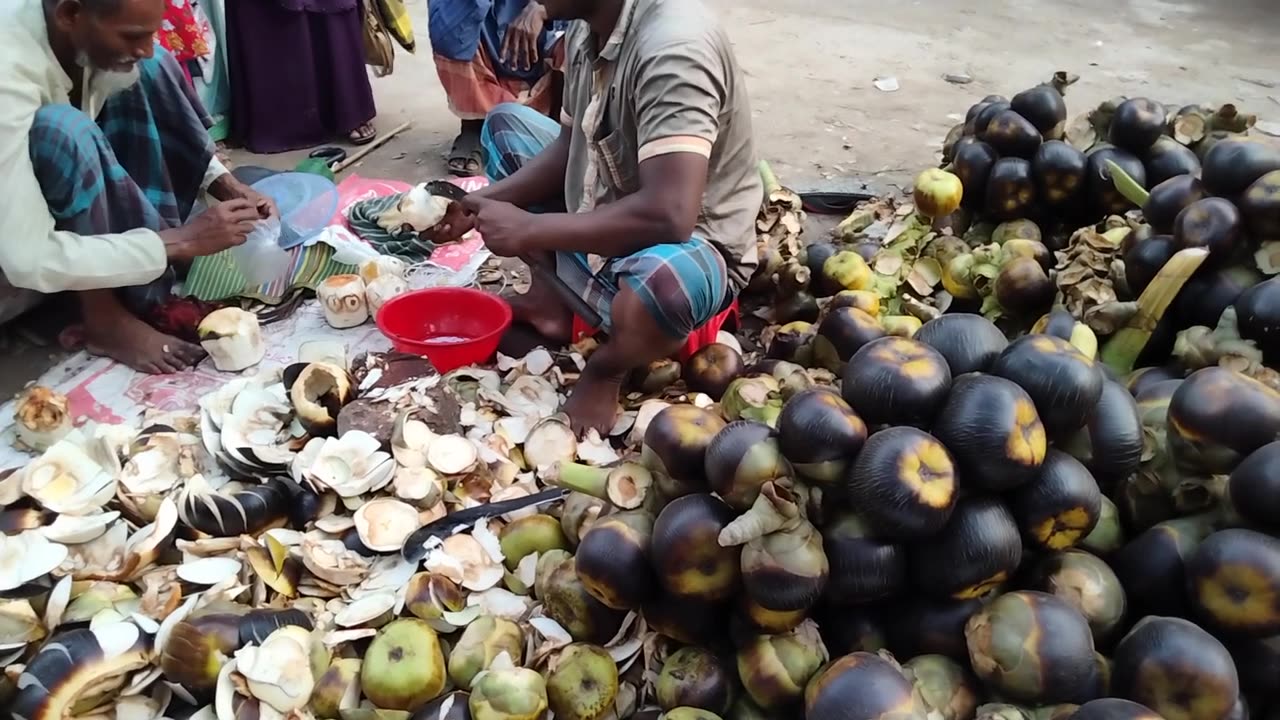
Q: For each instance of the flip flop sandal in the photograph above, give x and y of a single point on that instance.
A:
(357, 138)
(466, 159)
(331, 155)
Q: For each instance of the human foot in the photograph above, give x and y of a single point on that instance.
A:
(593, 404)
(466, 158)
(114, 332)
(363, 135)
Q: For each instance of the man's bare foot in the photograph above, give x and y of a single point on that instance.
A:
(116, 333)
(550, 318)
(593, 403)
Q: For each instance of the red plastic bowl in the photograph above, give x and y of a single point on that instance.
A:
(411, 320)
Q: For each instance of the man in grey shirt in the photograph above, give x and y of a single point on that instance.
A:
(653, 169)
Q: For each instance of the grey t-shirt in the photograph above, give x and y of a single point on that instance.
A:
(668, 82)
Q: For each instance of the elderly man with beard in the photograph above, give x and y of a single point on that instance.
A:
(654, 162)
(104, 149)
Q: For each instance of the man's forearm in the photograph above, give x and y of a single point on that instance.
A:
(225, 187)
(540, 181)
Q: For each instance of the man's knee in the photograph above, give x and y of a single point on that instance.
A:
(638, 312)
(66, 147)
(61, 125)
(678, 289)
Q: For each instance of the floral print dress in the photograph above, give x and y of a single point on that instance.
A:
(181, 34)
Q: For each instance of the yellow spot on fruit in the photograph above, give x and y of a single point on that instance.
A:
(928, 472)
(1238, 595)
(1044, 344)
(1027, 443)
(983, 588)
(1063, 530)
(921, 368)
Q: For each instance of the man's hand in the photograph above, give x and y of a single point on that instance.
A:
(520, 46)
(224, 225)
(228, 187)
(457, 222)
(504, 226)
(265, 206)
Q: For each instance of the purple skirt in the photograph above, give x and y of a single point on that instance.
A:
(298, 77)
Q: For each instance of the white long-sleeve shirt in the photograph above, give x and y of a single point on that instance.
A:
(33, 254)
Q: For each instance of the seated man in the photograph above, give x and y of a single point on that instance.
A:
(104, 148)
(654, 161)
(490, 52)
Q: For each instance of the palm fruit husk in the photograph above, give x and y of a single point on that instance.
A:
(480, 644)
(1033, 647)
(948, 690)
(784, 565)
(781, 218)
(775, 669)
(1200, 347)
(1088, 584)
(1084, 274)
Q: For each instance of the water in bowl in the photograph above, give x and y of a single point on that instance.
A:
(448, 339)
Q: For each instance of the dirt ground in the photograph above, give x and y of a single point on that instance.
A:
(811, 68)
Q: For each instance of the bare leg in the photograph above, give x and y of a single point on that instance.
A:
(636, 341)
(111, 330)
(542, 309)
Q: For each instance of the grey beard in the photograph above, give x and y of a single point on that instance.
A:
(107, 82)
(110, 82)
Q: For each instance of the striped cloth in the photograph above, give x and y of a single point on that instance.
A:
(216, 277)
(405, 244)
(474, 87)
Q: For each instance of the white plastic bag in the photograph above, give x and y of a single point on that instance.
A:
(260, 258)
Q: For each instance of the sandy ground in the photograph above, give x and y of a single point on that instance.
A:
(811, 67)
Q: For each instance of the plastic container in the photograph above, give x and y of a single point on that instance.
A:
(260, 258)
(452, 327)
(307, 203)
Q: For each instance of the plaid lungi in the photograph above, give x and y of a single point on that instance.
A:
(474, 87)
(682, 284)
(140, 165)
